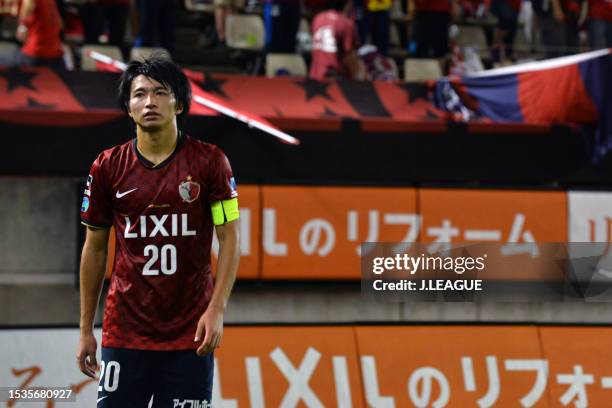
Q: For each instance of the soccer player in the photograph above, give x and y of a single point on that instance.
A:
(163, 192)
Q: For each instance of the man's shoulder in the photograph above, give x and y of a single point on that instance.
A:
(206, 150)
(114, 153)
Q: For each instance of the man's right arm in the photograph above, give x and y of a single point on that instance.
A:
(93, 266)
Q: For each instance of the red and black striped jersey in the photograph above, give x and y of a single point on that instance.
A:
(161, 282)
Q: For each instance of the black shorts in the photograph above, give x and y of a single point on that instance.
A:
(129, 378)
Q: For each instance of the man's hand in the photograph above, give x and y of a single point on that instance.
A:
(557, 10)
(558, 14)
(211, 326)
(22, 33)
(86, 355)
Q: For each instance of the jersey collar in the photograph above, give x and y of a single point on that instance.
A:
(150, 165)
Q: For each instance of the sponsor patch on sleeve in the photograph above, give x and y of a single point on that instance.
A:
(85, 204)
(234, 190)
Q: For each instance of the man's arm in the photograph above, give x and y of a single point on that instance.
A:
(27, 8)
(557, 11)
(410, 9)
(351, 62)
(211, 322)
(93, 266)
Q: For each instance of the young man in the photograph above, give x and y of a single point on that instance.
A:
(162, 191)
(39, 30)
(334, 44)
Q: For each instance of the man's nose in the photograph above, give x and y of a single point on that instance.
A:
(151, 100)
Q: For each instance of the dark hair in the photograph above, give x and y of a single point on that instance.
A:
(163, 71)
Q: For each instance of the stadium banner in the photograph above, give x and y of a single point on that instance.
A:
(590, 216)
(40, 359)
(570, 89)
(577, 378)
(311, 233)
(450, 366)
(315, 232)
(493, 215)
(357, 366)
(288, 367)
(558, 272)
(516, 218)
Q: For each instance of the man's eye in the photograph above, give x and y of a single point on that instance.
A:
(138, 95)
(162, 93)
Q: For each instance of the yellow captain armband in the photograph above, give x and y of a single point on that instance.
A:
(225, 211)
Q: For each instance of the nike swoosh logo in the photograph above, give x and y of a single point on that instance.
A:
(119, 195)
(100, 399)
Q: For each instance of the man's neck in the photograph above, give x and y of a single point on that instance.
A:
(156, 146)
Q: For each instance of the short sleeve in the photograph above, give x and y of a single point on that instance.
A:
(96, 208)
(221, 184)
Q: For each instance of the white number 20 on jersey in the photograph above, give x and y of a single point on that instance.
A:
(166, 257)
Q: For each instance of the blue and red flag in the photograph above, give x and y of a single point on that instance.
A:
(568, 90)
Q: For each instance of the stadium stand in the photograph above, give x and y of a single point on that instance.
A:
(199, 6)
(89, 64)
(421, 69)
(8, 47)
(285, 64)
(139, 53)
(245, 32)
(473, 36)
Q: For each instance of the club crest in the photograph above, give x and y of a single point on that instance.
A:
(189, 190)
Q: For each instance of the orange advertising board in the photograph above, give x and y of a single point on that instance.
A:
(580, 363)
(288, 367)
(315, 232)
(514, 219)
(449, 366)
(453, 366)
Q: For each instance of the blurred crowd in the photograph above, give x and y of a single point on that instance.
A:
(345, 38)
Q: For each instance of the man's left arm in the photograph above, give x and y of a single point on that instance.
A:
(211, 322)
(25, 14)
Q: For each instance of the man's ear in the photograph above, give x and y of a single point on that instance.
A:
(179, 109)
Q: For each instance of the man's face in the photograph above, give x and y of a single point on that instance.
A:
(152, 106)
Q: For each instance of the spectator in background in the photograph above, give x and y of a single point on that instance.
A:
(99, 15)
(558, 25)
(376, 67)
(507, 12)
(334, 42)
(282, 20)
(224, 8)
(373, 18)
(473, 8)
(600, 23)
(157, 24)
(431, 21)
(39, 29)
